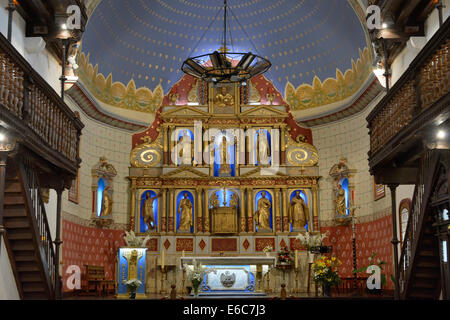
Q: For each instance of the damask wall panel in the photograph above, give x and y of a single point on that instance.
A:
(371, 237)
(89, 246)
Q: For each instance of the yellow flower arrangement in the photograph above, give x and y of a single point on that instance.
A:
(325, 271)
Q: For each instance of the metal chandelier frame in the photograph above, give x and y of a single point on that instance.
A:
(226, 67)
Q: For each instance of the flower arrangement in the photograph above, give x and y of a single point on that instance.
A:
(312, 242)
(133, 241)
(268, 249)
(195, 275)
(284, 256)
(372, 262)
(325, 271)
(133, 285)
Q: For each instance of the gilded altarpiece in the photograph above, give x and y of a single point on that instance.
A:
(244, 162)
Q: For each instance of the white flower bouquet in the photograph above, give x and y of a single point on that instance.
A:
(133, 284)
(310, 241)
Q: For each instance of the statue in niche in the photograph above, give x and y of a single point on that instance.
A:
(215, 200)
(223, 98)
(341, 208)
(186, 151)
(262, 147)
(262, 215)
(106, 203)
(148, 211)
(299, 212)
(224, 156)
(185, 211)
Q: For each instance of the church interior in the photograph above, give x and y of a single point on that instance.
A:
(156, 149)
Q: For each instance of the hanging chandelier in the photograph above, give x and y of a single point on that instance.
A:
(224, 66)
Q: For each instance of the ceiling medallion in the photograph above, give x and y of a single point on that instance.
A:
(224, 66)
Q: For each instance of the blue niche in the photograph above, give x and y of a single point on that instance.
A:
(231, 148)
(344, 184)
(305, 198)
(101, 185)
(142, 226)
(178, 214)
(255, 154)
(269, 197)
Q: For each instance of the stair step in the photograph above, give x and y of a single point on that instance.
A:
(31, 277)
(13, 187)
(427, 273)
(35, 296)
(27, 266)
(427, 263)
(32, 287)
(427, 253)
(14, 199)
(20, 234)
(423, 283)
(25, 256)
(17, 210)
(30, 268)
(16, 223)
(22, 245)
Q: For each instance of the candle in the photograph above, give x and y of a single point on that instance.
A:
(182, 254)
(296, 259)
(162, 259)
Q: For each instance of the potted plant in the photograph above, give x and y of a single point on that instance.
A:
(133, 285)
(378, 263)
(284, 256)
(326, 274)
(195, 276)
(267, 250)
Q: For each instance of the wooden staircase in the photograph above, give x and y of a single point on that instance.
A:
(420, 265)
(27, 239)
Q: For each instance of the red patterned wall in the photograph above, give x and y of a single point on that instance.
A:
(84, 245)
(374, 236)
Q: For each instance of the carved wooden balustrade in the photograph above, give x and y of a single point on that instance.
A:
(425, 82)
(37, 114)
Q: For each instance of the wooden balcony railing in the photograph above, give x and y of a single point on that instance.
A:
(425, 82)
(30, 106)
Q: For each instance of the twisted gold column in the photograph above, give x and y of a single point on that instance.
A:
(171, 210)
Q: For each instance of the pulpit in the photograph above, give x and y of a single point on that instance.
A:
(227, 276)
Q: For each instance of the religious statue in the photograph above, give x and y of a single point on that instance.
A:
(185, 210)
(262, 215)
(340, 201)
(234, 201)
(149, 219)
(215, 200)
(299, 212)
(106, 203)
(223, 98)
(186, 151)
(224, 157)
(262, 147)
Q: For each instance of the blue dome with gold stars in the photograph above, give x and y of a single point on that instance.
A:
(147, 40)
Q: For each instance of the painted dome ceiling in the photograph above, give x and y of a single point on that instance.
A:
(312, 44)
